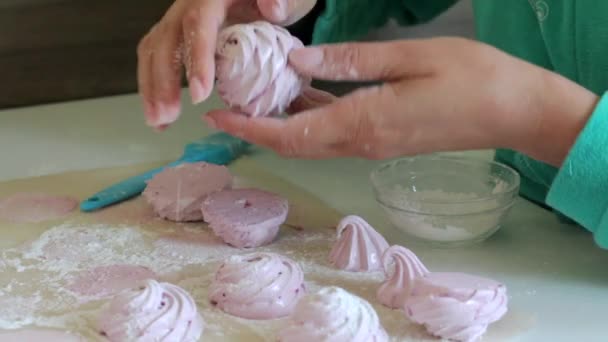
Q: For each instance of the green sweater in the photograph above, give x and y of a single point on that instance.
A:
(566, 36)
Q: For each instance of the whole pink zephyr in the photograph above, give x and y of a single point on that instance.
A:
(153, 312)
(333, 315)
(257, 286)
(397, 287)
(252, 70)
(359, 246)
(453, 306)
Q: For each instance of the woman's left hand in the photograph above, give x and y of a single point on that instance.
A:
(437, 94)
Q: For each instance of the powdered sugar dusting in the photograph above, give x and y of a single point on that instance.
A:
(47, 335)
(103, 281)
(37, 282)
(188, 246)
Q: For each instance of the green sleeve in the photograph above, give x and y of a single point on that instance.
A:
(347, 20)
(580, 189)
(536, 177)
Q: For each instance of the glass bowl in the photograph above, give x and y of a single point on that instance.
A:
(445, 201)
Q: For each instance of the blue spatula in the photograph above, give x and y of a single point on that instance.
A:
(217, 148)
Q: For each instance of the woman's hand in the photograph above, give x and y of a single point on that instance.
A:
(187, 35)
(438, 95)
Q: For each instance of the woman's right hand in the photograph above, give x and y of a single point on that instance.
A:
(186, 35)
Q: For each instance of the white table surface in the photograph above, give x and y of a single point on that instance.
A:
(556, 276)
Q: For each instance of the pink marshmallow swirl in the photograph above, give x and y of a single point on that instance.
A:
(454, 306)
(359, 246)
(253, 75)
(397, 287)
(152, 312)
(257, 286)
(333, 315)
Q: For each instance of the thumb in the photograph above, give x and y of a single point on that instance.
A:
(384, 61)
(285, 12)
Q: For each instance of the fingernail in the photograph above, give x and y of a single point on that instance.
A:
(148, 111)
(164, 115)
(306, 58)
(160, 128)
(210, 122)
(317, 96)
(168, 113)
(150, 114)
(197, 91)
(279, 10)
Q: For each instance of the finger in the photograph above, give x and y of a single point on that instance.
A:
(285, 12)
(200, 27)
(309, 99)
(243, 11)
(342, 128)
(282, 136)
(166, 75)
(367, 61)
(318, 95)
(151, 45)
(144, 81)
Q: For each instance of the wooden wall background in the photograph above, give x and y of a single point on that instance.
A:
(52, 50)
(57, 50)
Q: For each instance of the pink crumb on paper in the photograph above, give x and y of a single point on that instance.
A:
(103, 281)
(35, 207)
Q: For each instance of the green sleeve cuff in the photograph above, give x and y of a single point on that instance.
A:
(350, 20)
(580, 189)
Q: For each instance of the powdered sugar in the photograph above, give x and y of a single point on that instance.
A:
(46, 335)
(70, 247)
(189, 246)
(103, 281)
(441, 216)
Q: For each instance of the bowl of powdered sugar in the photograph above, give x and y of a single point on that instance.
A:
(444, 200)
